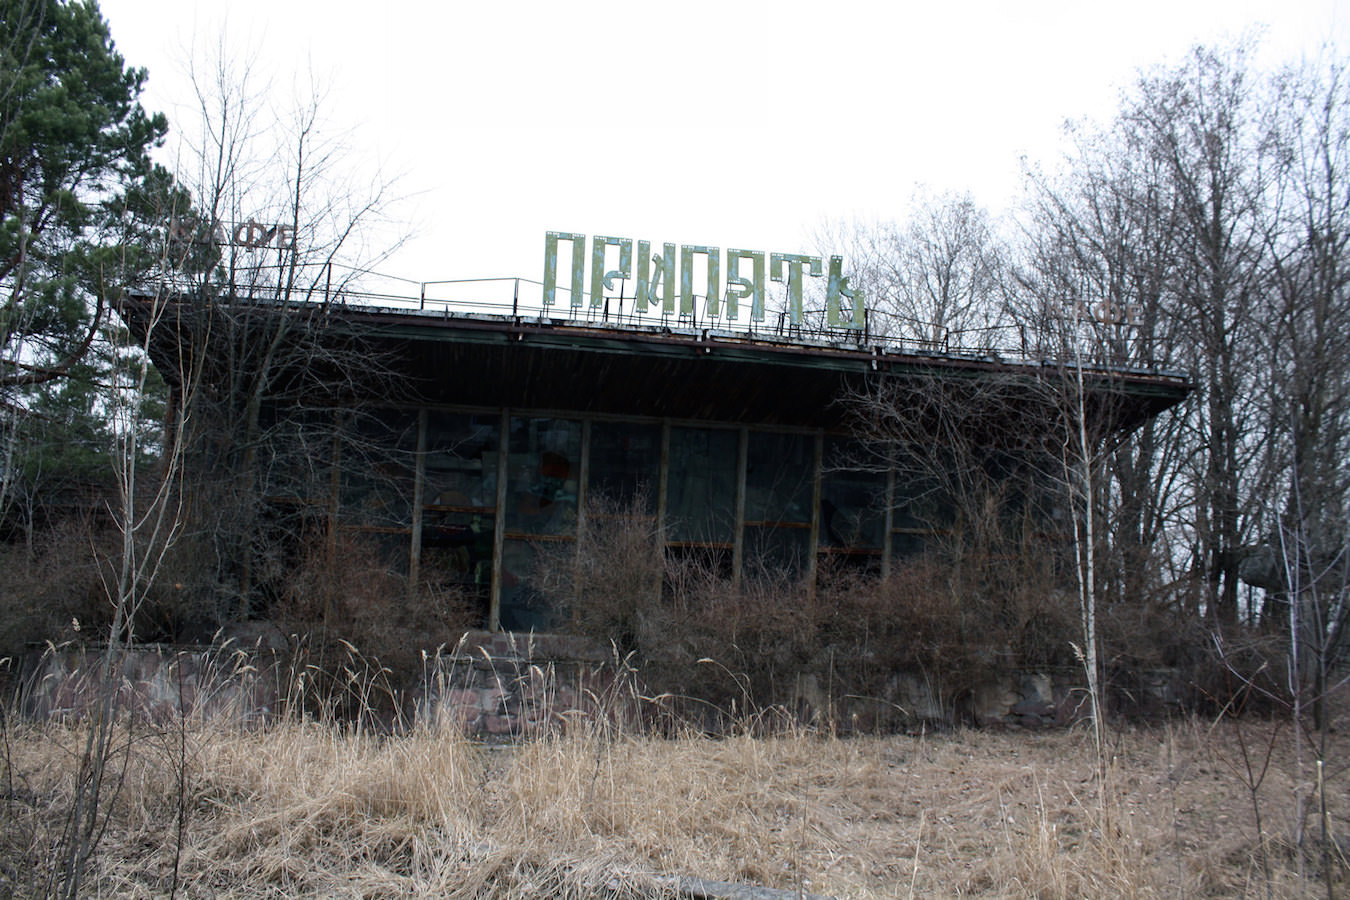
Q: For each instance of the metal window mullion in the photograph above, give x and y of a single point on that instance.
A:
(662, 495)
(419, 494)
(816, 491)
(499, 522)
(888, 521)
(583, 483)
(738, 536)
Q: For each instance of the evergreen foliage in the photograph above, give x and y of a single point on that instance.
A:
(83, 211)
(80, 198)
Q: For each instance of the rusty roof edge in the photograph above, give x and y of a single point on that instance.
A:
(748, 346)
(872, 355)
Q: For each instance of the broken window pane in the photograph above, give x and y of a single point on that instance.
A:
(542, 474)
(524, 604)
(460, 462)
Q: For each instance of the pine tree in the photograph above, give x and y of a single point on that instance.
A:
(80, 199)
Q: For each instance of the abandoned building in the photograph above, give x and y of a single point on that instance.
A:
(485, 438)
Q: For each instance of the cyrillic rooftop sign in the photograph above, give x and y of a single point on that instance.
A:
(656, 278)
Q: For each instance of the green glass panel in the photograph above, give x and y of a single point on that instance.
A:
(378, 459)
(702, 478)
(778, 474)
(460, 463)
(457, 546)
(852, 500)
(775, 552)
(903, 545)
(920, 504)
(524, 606)
(542, 473)
(625, 464)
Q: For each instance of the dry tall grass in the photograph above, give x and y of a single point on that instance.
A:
(308, 809)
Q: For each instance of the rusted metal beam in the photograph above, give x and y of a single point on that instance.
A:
(499, 521)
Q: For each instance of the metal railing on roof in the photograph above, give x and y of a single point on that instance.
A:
(623, 311)
(520, 299)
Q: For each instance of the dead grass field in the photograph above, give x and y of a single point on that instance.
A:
(305, 809)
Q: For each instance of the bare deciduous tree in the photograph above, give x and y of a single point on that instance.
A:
(935, 278)
(1308, 246)
(274, 243)
(1156, 233)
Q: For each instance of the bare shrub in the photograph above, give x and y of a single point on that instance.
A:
(956, 625)
(907, 622)
(51, 590)
(727, 648)
(610, 578)
(347, 608)
(737, 646)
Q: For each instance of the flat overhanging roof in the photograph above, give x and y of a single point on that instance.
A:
(660, 369)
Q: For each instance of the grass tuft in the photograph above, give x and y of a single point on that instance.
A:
(306, 807)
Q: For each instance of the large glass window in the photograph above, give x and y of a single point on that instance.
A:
(459, 499)
(525, 604)
(774, 551)
(852, 499)
(542, 474)
(625, 464)
(779, 482)
(377, 461)
(702, 485)
(461, 462)
(921, 512)
(778, 478)
(296, 453)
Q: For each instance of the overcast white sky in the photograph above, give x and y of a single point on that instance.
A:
(735, 123)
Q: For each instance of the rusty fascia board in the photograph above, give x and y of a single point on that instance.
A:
(662, 342)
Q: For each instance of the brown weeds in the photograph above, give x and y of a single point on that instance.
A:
(310, 809)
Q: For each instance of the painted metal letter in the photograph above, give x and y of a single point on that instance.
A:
(601, 280)
(687, 254)
(837, 292)
(551, 239)
(739, 288)
(662, 278)
(794, 261)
